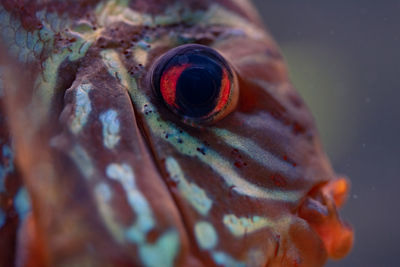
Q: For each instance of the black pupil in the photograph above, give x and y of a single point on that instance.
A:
(196, 87)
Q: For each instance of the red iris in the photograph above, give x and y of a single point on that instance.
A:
(224, 94)
(168, 84)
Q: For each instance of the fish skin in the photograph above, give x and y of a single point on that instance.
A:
(115, 179)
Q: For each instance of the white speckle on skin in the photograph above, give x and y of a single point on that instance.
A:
(205, 235)
(111, 126)
(123, 173)
(83, 107)
(193, 193)
(162, 252)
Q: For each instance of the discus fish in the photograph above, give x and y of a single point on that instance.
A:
(157, 133)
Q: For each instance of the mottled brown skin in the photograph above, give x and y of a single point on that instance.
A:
(67, 227)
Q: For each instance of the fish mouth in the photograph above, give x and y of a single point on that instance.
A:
(320, 209)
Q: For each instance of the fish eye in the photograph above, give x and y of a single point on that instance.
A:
(196, 83)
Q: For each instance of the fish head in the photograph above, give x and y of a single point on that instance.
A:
(165, 133)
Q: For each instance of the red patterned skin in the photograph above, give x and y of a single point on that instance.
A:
(114, 178)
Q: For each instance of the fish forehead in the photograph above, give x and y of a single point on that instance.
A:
(243, 175)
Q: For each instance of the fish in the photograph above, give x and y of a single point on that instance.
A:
(157, 133)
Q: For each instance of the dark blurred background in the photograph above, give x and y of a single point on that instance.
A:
(344, 58)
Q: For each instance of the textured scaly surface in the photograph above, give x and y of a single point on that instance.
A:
(96, 171)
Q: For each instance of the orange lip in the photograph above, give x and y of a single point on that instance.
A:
(320, 210)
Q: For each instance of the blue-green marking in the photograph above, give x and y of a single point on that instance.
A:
(190, 191)
(111, 125)
(163, 252)
(22, 203)
(123, 173)
(206, 235)
(83, 107)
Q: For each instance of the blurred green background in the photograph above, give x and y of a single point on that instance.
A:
(344, 58)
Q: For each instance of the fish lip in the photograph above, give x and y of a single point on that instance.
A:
(320, 209)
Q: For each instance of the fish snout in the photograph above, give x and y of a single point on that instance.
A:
(320, 210)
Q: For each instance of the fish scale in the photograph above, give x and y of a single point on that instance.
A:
(104, 174)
